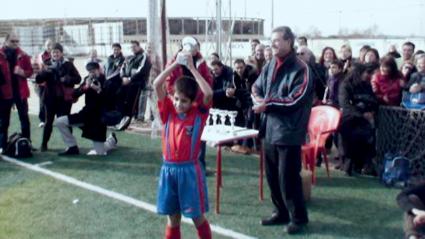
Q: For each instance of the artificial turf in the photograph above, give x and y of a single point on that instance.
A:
(37, 206)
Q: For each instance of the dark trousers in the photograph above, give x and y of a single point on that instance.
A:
(252, 121)
(127, 98)
(42, 113)
(57, 108)
(283, 167)
(357, 150)
(409, 227)
(5, 109)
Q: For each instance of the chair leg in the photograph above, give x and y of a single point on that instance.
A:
(312, 165)
(325, 157)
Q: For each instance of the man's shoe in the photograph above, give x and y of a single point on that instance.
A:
(70, 151)
(293, 228)
(125, 122)
(41, 125)
(43, 148)
(274, 219)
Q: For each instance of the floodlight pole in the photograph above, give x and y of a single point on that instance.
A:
(163, 33)
(219, 23)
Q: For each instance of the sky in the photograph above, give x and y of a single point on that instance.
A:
(393, 17)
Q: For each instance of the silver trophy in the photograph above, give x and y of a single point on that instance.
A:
(214, 114)
(232, 115)
(223, 114)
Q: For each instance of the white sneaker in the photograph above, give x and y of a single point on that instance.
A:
(92, 153)
(41, 125)
(125, 121)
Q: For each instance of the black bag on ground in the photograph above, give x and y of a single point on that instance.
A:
(18, 146)
(111, 118)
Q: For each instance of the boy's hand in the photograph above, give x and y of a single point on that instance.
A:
(189, 59)
(89, 82)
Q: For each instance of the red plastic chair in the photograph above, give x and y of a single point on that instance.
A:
(324, 120)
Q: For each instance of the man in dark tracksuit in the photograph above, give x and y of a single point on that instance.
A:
(135, 76)
(283, 93)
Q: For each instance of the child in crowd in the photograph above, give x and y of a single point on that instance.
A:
(182, 186)
(335, 77)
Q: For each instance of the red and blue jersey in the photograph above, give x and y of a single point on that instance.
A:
(181, 133)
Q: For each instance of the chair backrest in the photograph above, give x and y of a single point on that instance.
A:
(323, 118)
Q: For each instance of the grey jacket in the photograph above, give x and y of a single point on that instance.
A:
(288, 98)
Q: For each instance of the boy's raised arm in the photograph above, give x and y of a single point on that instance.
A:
(203, 84)
(159, 81)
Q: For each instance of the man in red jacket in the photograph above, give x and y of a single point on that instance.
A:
(202, 68)
(15, 68)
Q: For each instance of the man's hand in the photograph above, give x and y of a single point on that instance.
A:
(89, 82)
(125, 81)
(415, 88)
(260, 108)
(230, 92)
(368, 115)
(19, 71)
(97, 88)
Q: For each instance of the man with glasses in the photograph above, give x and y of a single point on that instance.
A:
(15, 68)
(319, 73)
(134, 74)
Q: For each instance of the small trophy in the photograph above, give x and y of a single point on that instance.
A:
(223, 114)
(214, 113)
(232, 115)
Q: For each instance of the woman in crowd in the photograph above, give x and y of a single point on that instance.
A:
(371, 60)
(359, 107)
(328, 54)
(388, 83)
(362, 54)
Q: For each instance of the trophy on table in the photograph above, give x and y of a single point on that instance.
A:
(214, 114)
(232, 115)
(223, 114)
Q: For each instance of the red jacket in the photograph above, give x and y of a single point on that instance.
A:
(384, 86)
(24, 63)
(203, 69)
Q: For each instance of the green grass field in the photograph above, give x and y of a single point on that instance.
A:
(33, 205)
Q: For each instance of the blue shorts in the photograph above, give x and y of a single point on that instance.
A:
(182, 189)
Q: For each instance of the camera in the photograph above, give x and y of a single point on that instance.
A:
(96, 82)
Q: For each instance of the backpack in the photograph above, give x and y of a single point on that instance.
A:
(396, 172)
(18, 146)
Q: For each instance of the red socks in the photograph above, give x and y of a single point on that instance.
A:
(204, 230)
(172, 232)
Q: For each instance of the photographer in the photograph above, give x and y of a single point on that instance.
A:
(89, 119)
(59, 76)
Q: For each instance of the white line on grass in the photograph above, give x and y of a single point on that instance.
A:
(117, 196)
(44, 163)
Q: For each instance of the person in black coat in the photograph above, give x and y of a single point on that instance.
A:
(60, 76)
(89, 119)
(357, 128)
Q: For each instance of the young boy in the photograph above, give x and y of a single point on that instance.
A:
(335, 77)
(182, 187)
